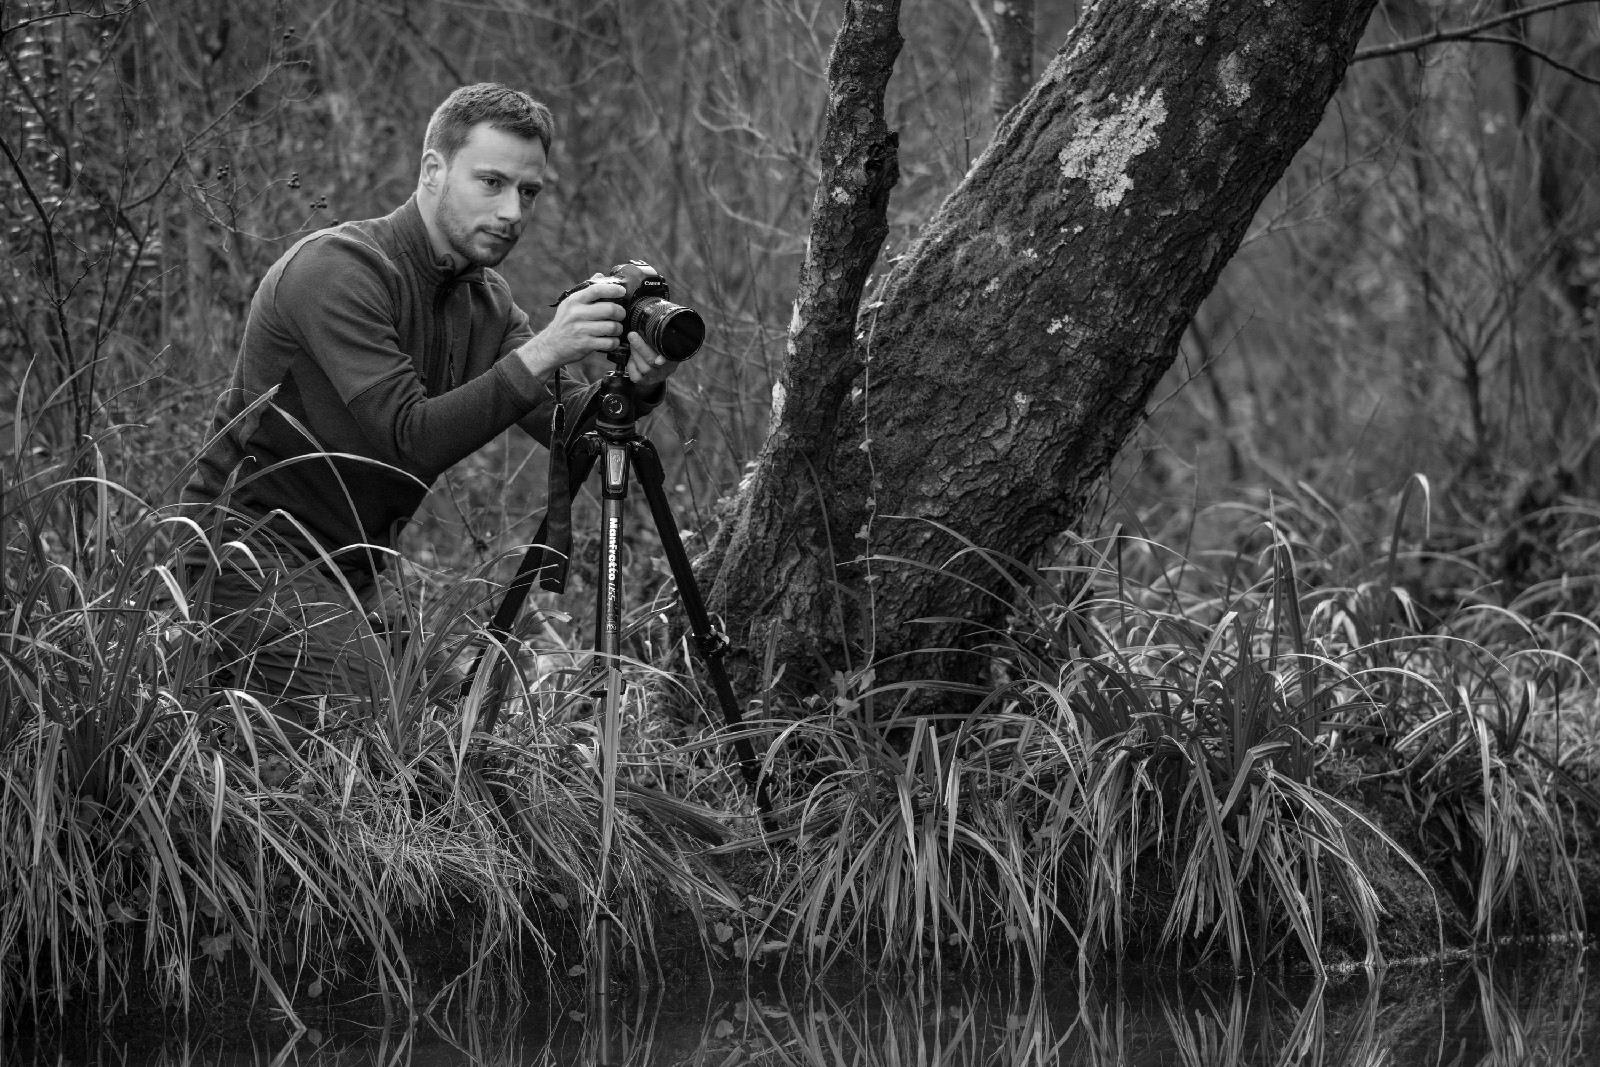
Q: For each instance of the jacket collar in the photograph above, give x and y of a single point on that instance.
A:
(412, 234)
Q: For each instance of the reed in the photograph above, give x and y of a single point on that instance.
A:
(163, 838)
(1178, 753)
(1193, 744)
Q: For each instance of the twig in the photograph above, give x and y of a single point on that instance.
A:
(1537, 53)
(1464, 33)
(52, 261)
(56, 16)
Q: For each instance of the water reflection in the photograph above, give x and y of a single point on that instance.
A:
(1524, 1010)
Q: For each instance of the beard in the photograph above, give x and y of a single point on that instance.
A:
(480, 245)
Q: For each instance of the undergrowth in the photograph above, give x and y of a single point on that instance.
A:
(1237, 760)
(1278, 754)
(165, 840)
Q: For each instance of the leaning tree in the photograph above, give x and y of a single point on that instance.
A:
(977, 395)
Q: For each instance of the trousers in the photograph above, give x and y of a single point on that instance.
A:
(307, 644)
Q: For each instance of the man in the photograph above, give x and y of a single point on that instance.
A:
(386, 351)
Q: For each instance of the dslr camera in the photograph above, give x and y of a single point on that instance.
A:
(671, 329)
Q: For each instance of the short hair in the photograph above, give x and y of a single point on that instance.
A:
(500, 106)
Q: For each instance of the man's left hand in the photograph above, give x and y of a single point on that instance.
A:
(647, 368)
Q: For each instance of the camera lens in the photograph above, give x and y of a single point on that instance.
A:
(671, 329)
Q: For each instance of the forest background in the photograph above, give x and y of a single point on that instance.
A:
(1395, 376)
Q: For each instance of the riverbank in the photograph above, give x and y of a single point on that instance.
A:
(454, 953)
(1301, 755)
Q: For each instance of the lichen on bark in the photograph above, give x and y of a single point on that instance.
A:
(1103, 147)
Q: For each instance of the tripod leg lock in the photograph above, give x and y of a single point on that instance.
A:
(713, 643)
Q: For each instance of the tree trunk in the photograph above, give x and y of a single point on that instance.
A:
(981, 397)
(1008, 27)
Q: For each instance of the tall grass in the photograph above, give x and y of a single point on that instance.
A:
(1230, 759)
(163, 838)
(1235, 759)
(917, 849)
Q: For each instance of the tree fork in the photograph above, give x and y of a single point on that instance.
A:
(1016, 343)
(849, 221)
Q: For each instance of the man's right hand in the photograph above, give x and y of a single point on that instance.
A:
(586, 323)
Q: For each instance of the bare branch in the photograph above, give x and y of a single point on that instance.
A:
(438, 54)
(57, 293)
(1470, 32)
(71, 13)
(79, 175)
(1537, 53)
(188, 146)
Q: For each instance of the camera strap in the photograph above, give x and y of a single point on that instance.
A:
(555, 531)
(562, 484)
(550, 552)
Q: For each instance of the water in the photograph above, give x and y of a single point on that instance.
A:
(1509, 1010)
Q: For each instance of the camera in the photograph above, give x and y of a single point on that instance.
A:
(671, 329)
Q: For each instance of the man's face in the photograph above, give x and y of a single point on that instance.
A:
(484, 196)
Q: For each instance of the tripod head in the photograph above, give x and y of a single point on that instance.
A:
(617, 407)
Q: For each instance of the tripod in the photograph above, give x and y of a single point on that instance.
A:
(618, 447)
(615, 441)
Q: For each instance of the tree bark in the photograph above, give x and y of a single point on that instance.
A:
(849, 221)
(979, 400)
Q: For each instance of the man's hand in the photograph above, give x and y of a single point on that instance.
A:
(587, 323)
(646, 367)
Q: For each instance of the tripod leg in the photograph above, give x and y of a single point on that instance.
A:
(551, 544)
(608, 646)
(710, 642)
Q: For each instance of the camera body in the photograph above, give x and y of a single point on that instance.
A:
(671, 329)
(642, 282)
